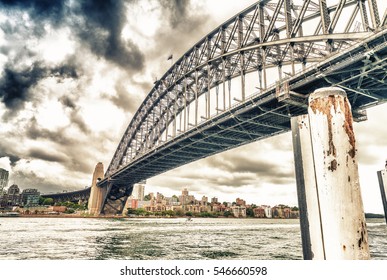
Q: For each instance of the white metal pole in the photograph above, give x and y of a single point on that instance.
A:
(382, 176)
(336, 198)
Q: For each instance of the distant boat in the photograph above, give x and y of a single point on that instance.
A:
(10, 214)
(189, 219)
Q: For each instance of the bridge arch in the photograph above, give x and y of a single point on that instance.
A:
(217, 96)
(276, 38)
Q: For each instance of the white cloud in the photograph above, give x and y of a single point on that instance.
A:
(5, 163)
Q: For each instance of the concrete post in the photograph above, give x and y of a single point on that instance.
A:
(382, 176)
(97, 194)
(331, 209)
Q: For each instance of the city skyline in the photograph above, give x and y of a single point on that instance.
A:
(66, 99)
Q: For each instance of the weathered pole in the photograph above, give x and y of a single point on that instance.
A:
(331, 209)
(382, 176)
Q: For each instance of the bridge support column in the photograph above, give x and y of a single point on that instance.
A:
(97, 194)
(382, 176)
(331, 209)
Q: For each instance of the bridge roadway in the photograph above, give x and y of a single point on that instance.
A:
(270, 35)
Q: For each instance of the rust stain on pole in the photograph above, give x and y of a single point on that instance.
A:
(320, 105)
(348, 126)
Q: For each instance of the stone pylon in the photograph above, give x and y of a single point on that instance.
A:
(97, 194)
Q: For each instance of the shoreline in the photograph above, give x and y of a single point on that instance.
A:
(128, 217)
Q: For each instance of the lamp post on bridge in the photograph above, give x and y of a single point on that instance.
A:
(331, 209)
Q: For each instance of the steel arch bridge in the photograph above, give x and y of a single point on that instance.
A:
(244, 81)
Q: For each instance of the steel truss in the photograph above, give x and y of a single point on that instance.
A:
(267, 35)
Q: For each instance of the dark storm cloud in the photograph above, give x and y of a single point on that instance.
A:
(104, 21)
(41, 10)
(235, 163)
(12, 157)
(29, 179)
(98, 24)
(35, 132)
(16, 85)
(68, 102)
(46, 155)
(125, 100)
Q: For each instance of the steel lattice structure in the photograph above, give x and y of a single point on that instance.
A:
(204, 103)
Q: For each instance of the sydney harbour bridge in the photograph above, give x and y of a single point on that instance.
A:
(245, 81)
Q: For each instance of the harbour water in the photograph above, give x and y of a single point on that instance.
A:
(153, 239)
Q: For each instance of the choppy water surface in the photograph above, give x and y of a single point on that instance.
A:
(142, 239)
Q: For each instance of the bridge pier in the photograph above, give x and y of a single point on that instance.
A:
(382, 176)
(97, 194)
(331, 209)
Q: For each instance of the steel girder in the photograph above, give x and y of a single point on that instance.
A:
(267, 35)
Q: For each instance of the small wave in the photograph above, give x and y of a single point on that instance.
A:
(218, 254)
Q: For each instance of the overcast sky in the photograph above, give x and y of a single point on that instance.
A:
(73, 73)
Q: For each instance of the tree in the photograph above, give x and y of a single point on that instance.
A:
(48, 201)
(69, 211)
(188, 214)
(140, 212)
(179, 212)
(41, 200)
(205, 215)
(131, 211)
(249, 212)
(227, 213)
(168, 213)
(147, 197)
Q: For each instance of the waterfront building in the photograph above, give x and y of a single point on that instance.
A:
(13, 195)
(175, 200)
(259, 212)
(286, 212)
(30, 197)
(138, 191)
(157, 203)
(240, 202)
(238, 211)
(159, 197)
(3, 179)
(133, 203)
(143, 204)
(267, 209)
(294, 213)
(186, 199)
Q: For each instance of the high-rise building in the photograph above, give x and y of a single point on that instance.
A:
(13, 195)
(138, 191)
(3, 179)
(30, 197)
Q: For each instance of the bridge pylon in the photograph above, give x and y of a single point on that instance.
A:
(332, 218)
(97, 194)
